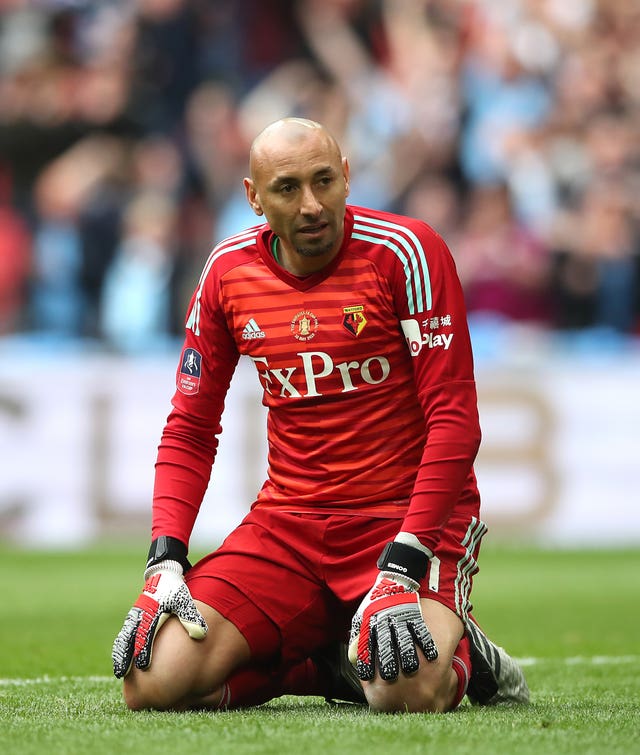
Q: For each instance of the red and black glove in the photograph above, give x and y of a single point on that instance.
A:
(164, 593)
(388, 625)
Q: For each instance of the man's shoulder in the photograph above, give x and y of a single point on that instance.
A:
(385, 223)
(393, 238)
(236, 249)
(232, 252)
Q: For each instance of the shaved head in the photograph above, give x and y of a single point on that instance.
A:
(300, 182)
(287, 134)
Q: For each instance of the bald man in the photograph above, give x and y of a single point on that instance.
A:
(366, 532)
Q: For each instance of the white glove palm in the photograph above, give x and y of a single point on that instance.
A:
(164, 593)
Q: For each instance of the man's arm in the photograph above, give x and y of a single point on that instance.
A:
(190, 437)
(185, 458)
(389, 626)
(445, 384)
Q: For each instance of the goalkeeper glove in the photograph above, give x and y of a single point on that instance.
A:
(164, 593)
(389, 624)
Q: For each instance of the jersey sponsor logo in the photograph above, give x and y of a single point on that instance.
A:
(305, 378)
(417, 340)
(353, 319)
(252, 330)
(304, 325)
(189, 374)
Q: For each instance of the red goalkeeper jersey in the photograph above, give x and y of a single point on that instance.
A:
(366, 370)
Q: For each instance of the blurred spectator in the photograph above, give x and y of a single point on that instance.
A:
(501, 96)
(164, 65)
(385, 148)
(435, 199)
(15, 261)
(136, 302)
(100, 228)
(504, 269)
(59, 82)
(214, 146)
(58, 303)
(597, 274)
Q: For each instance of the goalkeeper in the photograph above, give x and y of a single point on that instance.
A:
(366, 533)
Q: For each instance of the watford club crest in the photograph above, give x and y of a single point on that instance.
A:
(353, 319)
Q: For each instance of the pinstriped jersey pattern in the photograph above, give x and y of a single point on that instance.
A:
(335, 437)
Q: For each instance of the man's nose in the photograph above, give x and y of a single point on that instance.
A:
(309, 203)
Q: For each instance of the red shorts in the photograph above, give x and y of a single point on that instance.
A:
(292, 582)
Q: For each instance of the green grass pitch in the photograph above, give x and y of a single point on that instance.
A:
(572, 617)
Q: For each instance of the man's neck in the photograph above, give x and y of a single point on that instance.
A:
(298, 264)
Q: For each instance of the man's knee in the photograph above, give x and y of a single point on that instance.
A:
(405, 699)
(184, 672)
(134, 697)
(143, 690)
(169, 683)
(431, 690)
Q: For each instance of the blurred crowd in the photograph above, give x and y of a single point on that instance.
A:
(513, 128)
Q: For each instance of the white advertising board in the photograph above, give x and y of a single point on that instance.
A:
(558, 464)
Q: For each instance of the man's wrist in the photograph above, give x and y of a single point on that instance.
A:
(167, 565)
(165, 548)
(408, 538)
(405, 560)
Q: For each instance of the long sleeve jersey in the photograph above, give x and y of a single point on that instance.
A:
(366, 370)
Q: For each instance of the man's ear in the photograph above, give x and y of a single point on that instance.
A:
(346, 172)
(252, 196)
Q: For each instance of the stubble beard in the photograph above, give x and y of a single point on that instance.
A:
(314, 251)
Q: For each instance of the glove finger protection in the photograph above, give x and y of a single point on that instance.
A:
(122, 652)
(363, 645)
(389, 625)
(422, 637)
(164, 594)
(395, 645)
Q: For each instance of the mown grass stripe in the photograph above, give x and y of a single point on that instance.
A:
(578, 660)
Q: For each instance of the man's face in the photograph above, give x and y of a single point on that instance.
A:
(301, 183)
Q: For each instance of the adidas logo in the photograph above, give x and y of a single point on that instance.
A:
(252, 330)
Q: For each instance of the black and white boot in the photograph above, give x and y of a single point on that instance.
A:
(495, 676)
(343, 682)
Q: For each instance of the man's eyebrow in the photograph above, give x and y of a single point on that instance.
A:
(325, 169)
(279, 180)
(285, 179)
